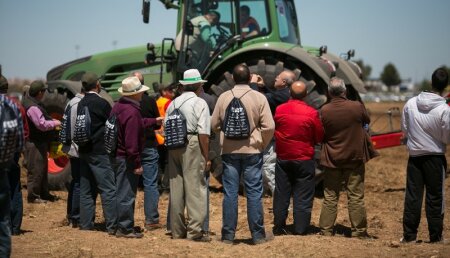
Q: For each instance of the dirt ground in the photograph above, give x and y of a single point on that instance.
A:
(45, 235)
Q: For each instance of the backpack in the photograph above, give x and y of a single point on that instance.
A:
(175, 129)
(111, 134)
(64, 136)
(82, 133)
(235, 124)
(10, 131)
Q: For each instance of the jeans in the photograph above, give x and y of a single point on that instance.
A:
(5, 210)
(149, 161)
(427, 172)
(294, 178)
(73, 199)
(97, 175)
(233, 166)
(127, 183)
(16, 196)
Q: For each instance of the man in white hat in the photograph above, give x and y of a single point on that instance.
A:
(127, 163)
(187, 164)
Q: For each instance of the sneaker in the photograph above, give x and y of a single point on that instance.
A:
(403, 240)
(152, 226)
(269, 237)
(132, 234)
(227, 241)
(202, 238)
(280, 231)
(366, 236)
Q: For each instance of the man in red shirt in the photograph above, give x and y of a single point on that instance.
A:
(249, 26)
(297, 130)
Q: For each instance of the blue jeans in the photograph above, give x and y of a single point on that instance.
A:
(127, 183)
(97, 175)
(5, 210)
(149, 161)
(233, 166)
(73, 200)
(16, 196)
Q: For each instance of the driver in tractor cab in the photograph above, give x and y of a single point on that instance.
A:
(202, 41)
(249, 26)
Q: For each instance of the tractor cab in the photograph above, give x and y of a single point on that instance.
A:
(208, 30)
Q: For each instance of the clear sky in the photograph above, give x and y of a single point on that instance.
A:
(37, 35)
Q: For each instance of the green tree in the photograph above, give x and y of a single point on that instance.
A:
(390, 76)
(366, 69)
(424, 85)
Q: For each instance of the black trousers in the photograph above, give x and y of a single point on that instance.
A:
(294, 178)
(429, 172)
(35, 155)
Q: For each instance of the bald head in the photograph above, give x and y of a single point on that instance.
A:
(284, 79)
(298, 90)
(241, 74)
(139, 76)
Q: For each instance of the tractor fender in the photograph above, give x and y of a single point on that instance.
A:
(348, 71)
(316, 64)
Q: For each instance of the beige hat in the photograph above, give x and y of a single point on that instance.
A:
(192, 76)
(132, 86)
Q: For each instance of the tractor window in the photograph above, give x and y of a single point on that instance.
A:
(253, 18)
(287, 21)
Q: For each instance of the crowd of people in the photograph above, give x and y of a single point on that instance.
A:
(275, 146)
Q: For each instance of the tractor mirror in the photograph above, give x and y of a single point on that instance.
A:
(146, 10)
(189, 30)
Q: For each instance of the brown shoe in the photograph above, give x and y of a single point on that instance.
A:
(154, 226)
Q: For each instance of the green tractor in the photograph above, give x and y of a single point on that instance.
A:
(273, 48)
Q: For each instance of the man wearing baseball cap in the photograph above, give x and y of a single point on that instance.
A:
(42, 131)
(96, 173)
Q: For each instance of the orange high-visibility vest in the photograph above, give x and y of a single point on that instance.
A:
(162, 104)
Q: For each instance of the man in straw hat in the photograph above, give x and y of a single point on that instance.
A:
(127, 162)
(187, 164)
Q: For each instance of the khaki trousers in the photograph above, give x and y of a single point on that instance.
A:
(353, 181)
(187, 190)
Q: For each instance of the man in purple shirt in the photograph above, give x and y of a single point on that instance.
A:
(130, 144)
(42, 130)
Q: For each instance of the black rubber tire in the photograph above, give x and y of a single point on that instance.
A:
(55, 103)
(61, 180)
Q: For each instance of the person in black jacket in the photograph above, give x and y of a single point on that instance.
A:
(150, 158)
(276, 96)
(97, 175)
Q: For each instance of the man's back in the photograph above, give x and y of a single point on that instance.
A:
(426, 123)
(260, 120)
(99, 110)
(343, 121)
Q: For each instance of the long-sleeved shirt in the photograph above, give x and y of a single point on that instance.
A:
(37, 117)
(130, 142)
(260, 119)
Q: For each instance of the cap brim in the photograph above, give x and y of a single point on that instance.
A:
(143, 89)
(192, 82)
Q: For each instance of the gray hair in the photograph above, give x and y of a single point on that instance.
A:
(336, 86)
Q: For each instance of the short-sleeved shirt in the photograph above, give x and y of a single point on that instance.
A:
(195, 110)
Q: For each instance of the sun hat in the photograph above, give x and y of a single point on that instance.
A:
(192, 76)
(132, 86)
